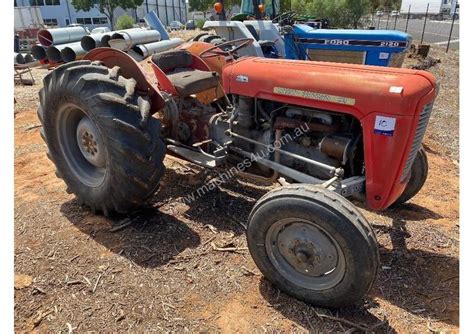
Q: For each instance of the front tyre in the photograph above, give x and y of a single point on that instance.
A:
(314, 245)
(419, 174)
(101, 136)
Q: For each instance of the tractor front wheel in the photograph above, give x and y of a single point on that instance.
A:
(314, 245)
(101, 136)
(419, 173)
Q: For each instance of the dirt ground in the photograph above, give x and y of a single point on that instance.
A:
(76, 272)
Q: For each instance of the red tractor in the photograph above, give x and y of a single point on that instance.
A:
(326, 131)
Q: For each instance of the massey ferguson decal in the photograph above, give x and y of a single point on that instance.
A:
(353, 42)
(314, 95)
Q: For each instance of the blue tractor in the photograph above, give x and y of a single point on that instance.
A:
(284, 36)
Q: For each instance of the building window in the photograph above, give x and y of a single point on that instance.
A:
(15, 4)
(52, 2)
(37, 2)
(84, 20)
(50, 22)
(100, 20)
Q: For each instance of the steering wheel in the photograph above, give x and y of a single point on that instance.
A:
(216, 51)
(286, 18)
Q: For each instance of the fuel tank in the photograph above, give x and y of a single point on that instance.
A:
(392, 104)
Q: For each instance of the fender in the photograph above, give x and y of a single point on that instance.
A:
(130, 68)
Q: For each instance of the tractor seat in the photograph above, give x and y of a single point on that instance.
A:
(193, 81)
(187, 81)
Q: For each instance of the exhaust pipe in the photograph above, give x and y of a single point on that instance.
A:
(72, 52)
(126, 39)
(48, 37)
(146, 50)
(38, 52)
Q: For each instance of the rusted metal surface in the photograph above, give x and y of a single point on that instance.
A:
(196, 48)
(336, 147)
(129, 68)
(214, 64)
(197, 119)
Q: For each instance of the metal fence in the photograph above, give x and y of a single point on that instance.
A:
(423, 27)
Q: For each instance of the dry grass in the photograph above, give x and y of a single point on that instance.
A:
(443, 130)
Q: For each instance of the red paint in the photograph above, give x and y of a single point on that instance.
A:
(129, 68)
(385, 156)
(369, 86)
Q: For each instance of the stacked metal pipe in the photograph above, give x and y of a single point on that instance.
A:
(71, 43)
(23, 58)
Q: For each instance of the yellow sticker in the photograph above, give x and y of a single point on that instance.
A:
(314, 96)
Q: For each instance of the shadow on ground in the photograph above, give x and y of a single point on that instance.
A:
(155, 237)
(407, 286)
(412, 279)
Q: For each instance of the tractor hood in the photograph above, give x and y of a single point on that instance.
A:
(391, 40)
(392, 105)
(355, 89)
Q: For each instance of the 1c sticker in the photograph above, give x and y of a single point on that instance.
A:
(384, 125)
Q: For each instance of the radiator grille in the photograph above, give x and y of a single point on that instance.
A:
(419, 133)
(337, 56)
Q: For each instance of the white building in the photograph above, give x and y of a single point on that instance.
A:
(61, 13)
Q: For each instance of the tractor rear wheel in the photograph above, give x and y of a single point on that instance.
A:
(314, 245)
(419, 173)
(101, 136)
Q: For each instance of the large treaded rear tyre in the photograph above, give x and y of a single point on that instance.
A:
(314, 245)
(419, 173)
(83, 103)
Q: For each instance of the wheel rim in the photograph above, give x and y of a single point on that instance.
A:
(305, 254)
(82, 146)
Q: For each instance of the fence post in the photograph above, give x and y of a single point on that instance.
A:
(378, 23)
(424, 24)
(388, 19)
(395, 25)
(452, 25)
(408, 18)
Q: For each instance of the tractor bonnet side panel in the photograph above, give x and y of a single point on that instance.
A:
(387, 101)
(369, 47)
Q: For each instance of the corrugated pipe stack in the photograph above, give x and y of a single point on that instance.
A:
(23, 58)
(53, 43)
(72, 43)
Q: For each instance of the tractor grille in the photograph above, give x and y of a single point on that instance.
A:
(420, 132)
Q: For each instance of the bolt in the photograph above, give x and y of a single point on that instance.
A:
(301, 257)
